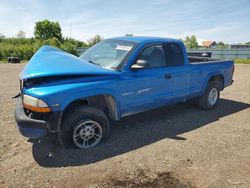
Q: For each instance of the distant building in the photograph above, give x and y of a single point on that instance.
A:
(204, 43)
(208, 44)
(239, 46)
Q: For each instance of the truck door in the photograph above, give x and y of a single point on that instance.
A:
(148, 87)
(179, 72)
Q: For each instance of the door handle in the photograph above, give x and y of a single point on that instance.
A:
(168, 76)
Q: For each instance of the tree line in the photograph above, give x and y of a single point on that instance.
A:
(192, 43)
(49, 33)
(45, 33)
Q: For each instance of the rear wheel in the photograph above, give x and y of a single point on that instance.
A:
(210, 97)
(84, 127)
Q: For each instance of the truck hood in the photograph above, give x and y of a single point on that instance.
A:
(49, 61)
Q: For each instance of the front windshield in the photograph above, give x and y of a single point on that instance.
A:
(109, 53)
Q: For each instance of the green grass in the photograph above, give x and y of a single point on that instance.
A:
(242, 61)
(5, 61)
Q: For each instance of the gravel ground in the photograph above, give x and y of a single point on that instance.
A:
(174, 146)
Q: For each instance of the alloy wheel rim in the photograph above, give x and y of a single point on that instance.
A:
(87, 134)
(213, 96)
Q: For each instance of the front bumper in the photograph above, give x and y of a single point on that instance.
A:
(28, 127)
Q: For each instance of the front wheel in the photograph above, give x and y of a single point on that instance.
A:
(209, 99)
(84, 127)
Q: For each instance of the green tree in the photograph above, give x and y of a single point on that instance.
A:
(96, 39)
(2, 37)
(248, 43)
(129, 35)
(53, 42)
(46, 29)
(20, 34)
(221, 44)
(191, 42)
(69, 47)
(77, 43)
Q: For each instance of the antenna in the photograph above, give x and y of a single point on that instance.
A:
(70, 30)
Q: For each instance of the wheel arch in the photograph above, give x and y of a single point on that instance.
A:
(219, 78)
(105, 102)
(214, 77)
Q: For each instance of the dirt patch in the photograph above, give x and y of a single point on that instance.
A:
(174, 146)
(143, 178)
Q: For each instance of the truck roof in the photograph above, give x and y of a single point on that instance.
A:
(140, 39)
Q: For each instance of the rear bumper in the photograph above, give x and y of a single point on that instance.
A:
(28, 127)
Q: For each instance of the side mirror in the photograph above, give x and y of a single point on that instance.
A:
(140, 64)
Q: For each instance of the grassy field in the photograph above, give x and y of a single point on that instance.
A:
(242, 61)
(5, 61)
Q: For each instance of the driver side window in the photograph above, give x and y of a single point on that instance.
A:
(154, 55)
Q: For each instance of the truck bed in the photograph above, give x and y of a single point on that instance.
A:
(199, 60)
(202, 68)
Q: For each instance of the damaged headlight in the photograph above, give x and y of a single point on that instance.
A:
(35, 104)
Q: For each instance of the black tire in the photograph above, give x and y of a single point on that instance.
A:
(203, 100)
(77, 116)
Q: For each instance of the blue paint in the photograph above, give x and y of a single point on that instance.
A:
(133, 91)
(49, 61)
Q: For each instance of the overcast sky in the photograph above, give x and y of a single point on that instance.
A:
(219, 20)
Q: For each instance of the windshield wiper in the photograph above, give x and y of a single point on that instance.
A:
(93, 63)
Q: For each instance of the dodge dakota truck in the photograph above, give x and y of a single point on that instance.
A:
(77, 97)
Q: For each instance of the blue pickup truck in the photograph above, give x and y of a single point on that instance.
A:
(77, 97)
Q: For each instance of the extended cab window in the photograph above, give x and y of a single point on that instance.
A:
(154, 55)
(174, 54)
